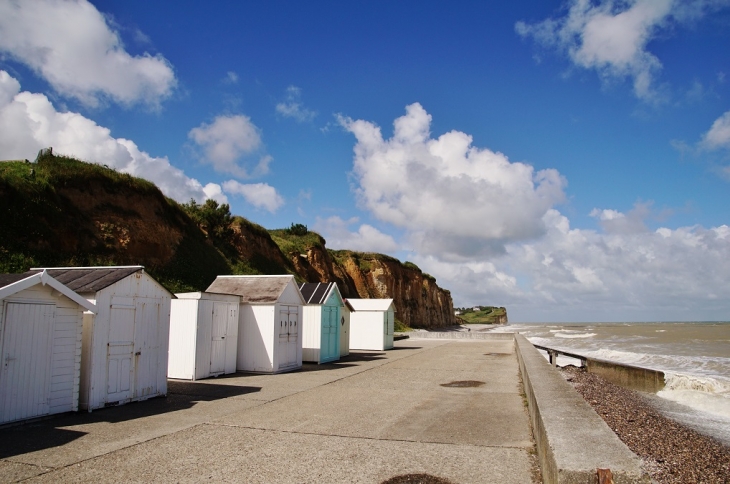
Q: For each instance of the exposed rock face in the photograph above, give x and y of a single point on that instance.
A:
(91, 215)
(419, 302)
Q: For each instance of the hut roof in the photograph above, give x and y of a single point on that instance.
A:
(13, 283)
(90, 279)
(252, 289)
(370, 304)
(316, 292)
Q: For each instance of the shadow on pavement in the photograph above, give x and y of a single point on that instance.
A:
(50, 432)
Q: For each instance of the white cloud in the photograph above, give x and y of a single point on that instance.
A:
(719, 134)
(367, 238)
(215, 192)
(488, 230)
(584, 275)
(226, 141)
(71, 45)
(454, 199)
(29, 122)
(612, 36)
(260, 195)
(293, 107)
(614, 222)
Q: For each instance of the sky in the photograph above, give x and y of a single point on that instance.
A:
(569, 160)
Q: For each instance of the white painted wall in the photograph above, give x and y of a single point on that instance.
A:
(191, 335)
(44, 378)
(344, 331)
(311, 332)
(371, 329)
(140, 297)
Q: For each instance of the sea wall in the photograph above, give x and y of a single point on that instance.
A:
(573, 441)
(627, 376)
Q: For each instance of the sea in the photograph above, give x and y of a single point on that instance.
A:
(694, 356)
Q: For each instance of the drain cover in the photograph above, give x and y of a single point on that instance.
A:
(463, 384)
(495, 354)
(417, 479)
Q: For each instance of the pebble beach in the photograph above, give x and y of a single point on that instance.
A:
(671, 453)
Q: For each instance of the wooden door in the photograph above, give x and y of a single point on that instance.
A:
(329, 347)
(282, 350)
(293, 336)
(25, 376)
(120, 351)
(219, 329)
(147, 347)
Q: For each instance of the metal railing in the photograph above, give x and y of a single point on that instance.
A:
(553, 355)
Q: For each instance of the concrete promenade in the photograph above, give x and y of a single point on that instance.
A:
(367, 418)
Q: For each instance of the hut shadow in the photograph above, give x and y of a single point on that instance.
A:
(181, 395)
(50, 432)
(35, 436)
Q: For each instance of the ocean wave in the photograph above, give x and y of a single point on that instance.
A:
(706, 394)
(575, 335)
(679, 381)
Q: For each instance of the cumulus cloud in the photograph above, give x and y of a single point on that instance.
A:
(453, 199)
(366, 239)
(225, 142)
(260, 195)
(611, 37)
(719, 134)
(579, 274)
(293, 107)
(615, 222)
(29, 122)
(71, 45)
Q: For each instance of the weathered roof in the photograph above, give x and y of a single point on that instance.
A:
(7, 279)
(370, 304)
(252, 289)
(11, 284)
(316, 292)
(90, 279)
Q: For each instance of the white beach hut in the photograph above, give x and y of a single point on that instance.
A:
(40, 346)
(321, 325)
(203, 335)
(124, 347)
(371, 324)
(269, 321)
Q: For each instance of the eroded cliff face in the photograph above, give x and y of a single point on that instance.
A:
(65, 212)
(419, 301)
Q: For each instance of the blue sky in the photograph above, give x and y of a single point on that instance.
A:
(568, 160)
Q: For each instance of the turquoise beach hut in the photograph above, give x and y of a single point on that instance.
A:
(321, 322)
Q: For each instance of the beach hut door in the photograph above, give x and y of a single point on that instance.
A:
(25, 375)
(288, 336)
(293, 335)
(218, 338)
(120, 351)
(147, 345)
(330, 335)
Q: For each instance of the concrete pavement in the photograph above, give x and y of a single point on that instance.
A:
(367, 418)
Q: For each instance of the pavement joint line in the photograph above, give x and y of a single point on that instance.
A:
(78, 462)
(355, 437)
(443, 342)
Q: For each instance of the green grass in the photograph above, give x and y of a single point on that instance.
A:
(400, 327)
(488, 315)
(295, 244)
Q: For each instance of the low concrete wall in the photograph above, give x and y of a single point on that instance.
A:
(572, 440)
(627, 376)
(458, 335)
